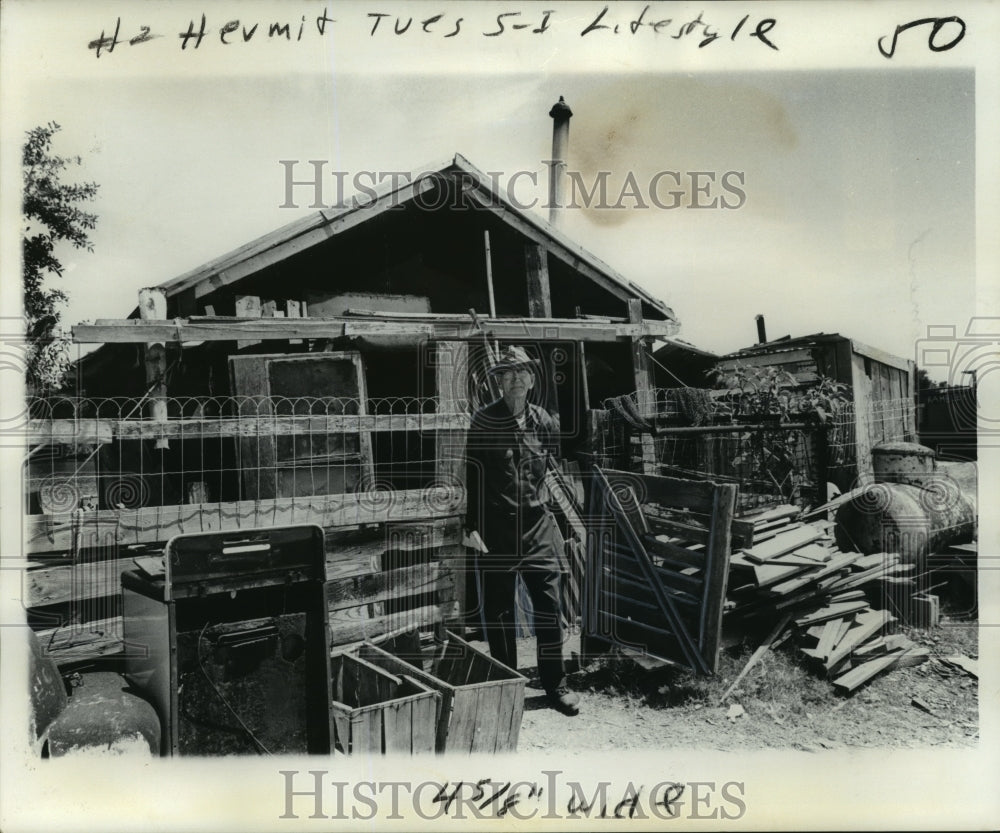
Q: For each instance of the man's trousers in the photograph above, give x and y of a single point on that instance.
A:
(499, 599)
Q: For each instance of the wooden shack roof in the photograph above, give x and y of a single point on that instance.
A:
(788, 344)
(184, 291)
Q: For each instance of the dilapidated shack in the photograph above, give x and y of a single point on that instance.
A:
(321, 374)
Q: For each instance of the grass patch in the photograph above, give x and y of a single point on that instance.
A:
(779, 679)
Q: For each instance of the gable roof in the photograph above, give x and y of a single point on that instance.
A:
(317, 228)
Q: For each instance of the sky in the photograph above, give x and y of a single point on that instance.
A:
(857, 215)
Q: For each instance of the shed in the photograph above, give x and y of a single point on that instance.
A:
(882, 387)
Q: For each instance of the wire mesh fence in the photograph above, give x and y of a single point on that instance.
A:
(774, 458)
(105, 453)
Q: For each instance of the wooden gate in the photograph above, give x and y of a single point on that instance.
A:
(658, 564)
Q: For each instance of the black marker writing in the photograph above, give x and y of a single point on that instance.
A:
(105, 43)
(937, 23)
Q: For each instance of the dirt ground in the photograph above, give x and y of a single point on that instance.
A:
(781, 704)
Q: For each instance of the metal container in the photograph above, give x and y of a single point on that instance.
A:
(231, 643)
(902, 462)
(907, 519)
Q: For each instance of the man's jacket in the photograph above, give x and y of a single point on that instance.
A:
(507, 496)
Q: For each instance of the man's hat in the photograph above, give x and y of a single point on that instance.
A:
(512, 358)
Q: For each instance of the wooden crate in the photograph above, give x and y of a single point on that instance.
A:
(483, 700)
(374, 711)
(656, 583)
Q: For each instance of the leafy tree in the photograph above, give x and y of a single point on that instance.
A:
(925, 382)
(52, 214)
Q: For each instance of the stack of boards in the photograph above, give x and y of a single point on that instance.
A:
(833, 601)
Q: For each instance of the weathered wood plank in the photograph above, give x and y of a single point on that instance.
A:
(153, 305)
(396, 726)
(505, 712)
(816, 574)
(80, 582)
(340, 720)
(48, 533)
(57, 585)
(462, 728)
(393, 584)
(867, 624)
(836, 611)
(487, 725)
(348, 629)
(179, 330)
(859, 675)
(516, 715)
(780, 544)
(425, 712)
(536, 267)
(248, 306)
(828, 638)
(697, 495)
(366, 732)
(636, 588)
(716, 574)
(395, 664)
(626, 562)
(72, 642)
(778, 513)
(264, 424)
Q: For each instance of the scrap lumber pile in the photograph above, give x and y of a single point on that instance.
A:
(833, 602)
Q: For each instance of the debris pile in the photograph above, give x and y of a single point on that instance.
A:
(837, 605)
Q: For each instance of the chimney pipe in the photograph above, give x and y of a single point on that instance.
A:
(561, 114)
(761, 332)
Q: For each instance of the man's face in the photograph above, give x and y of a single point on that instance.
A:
(517, 382)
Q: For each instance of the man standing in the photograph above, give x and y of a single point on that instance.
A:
(508, 445)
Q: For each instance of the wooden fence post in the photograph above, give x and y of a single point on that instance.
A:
(153, 307)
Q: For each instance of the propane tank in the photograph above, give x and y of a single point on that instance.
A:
(913, 508)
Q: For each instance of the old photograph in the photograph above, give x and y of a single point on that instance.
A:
(448, 414)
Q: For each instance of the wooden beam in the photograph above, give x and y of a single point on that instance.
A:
(672, 492)
(773, 359)
(536, 265)
(71, 431)
(73, 643)
(153, 306)
(451, 367)
(42, 432)
(294, 309)
(351, 555)
(717, 572)
(882, 356)
(57, 533)
(642, 371)
(248, 306)
(195, 329)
